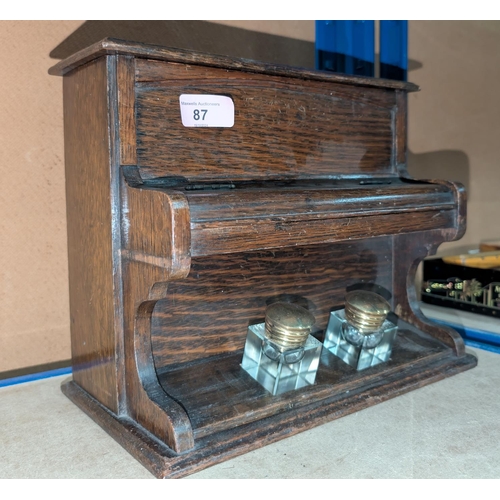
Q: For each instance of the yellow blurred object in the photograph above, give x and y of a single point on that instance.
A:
(481, 260)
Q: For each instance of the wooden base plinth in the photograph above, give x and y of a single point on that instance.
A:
(378, 384)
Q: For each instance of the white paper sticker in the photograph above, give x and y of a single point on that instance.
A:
(205, 110)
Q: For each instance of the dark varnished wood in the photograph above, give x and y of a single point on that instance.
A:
(179, 238)
(232, 238)
(90, 226)
(404, 273)
(147, 403)
(222, 446)
(240, 400)
(400, 125)
(227, 221)
(283, 129)
(156, 250)
(209, 311)
(318, 200)
(158, 231)
(126, 110)
(110, 46)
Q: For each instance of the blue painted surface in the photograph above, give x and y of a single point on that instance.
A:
(35, 376)
(349, 47)
(479, 339)
(394, 49)
(346, 47)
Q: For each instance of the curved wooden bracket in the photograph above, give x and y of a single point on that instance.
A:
(147, 402)
(157, 250)
(407, 256)
(408, 253)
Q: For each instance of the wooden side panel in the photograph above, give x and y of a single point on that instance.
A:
(87, 158)
(126, 110)
(208, 312)
(401, 127)
(284, 128)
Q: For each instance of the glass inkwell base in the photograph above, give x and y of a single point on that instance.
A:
(358, 357)
(280, 354)
(277, 375)
(360, 335)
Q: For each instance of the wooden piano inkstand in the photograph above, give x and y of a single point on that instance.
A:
(180, 236)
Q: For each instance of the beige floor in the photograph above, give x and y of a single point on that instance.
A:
(450, 429)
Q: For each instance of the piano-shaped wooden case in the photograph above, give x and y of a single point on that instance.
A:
(179, 237)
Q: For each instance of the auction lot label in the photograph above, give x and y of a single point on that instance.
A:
(202, 110)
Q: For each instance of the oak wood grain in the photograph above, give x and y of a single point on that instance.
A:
(110, 46)
(90, 259)
(157, 230)
(208, 312)
(228, 238)
(322, 199)
(284, 131)
(179, 239)
(219, 395)
(224, 445)
(126, 110)
(401, 127)
(156, 251)
(147, 403)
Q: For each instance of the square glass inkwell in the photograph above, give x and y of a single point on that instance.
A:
(360, 334)
(281, 354)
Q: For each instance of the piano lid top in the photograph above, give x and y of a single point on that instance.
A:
(111, 46)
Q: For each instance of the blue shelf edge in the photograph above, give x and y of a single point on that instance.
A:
(35, 376)
(479, 339)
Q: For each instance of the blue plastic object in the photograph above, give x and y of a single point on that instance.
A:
(479, 339)
(346, 47)
(35, 376)
(349, 47)
(394, 50)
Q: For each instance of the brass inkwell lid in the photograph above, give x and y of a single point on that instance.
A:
(366, 311)
(288, 325)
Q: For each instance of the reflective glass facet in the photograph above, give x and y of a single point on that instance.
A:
(357, 350)
(277, 371)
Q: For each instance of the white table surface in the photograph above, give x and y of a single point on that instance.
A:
(449, 429)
